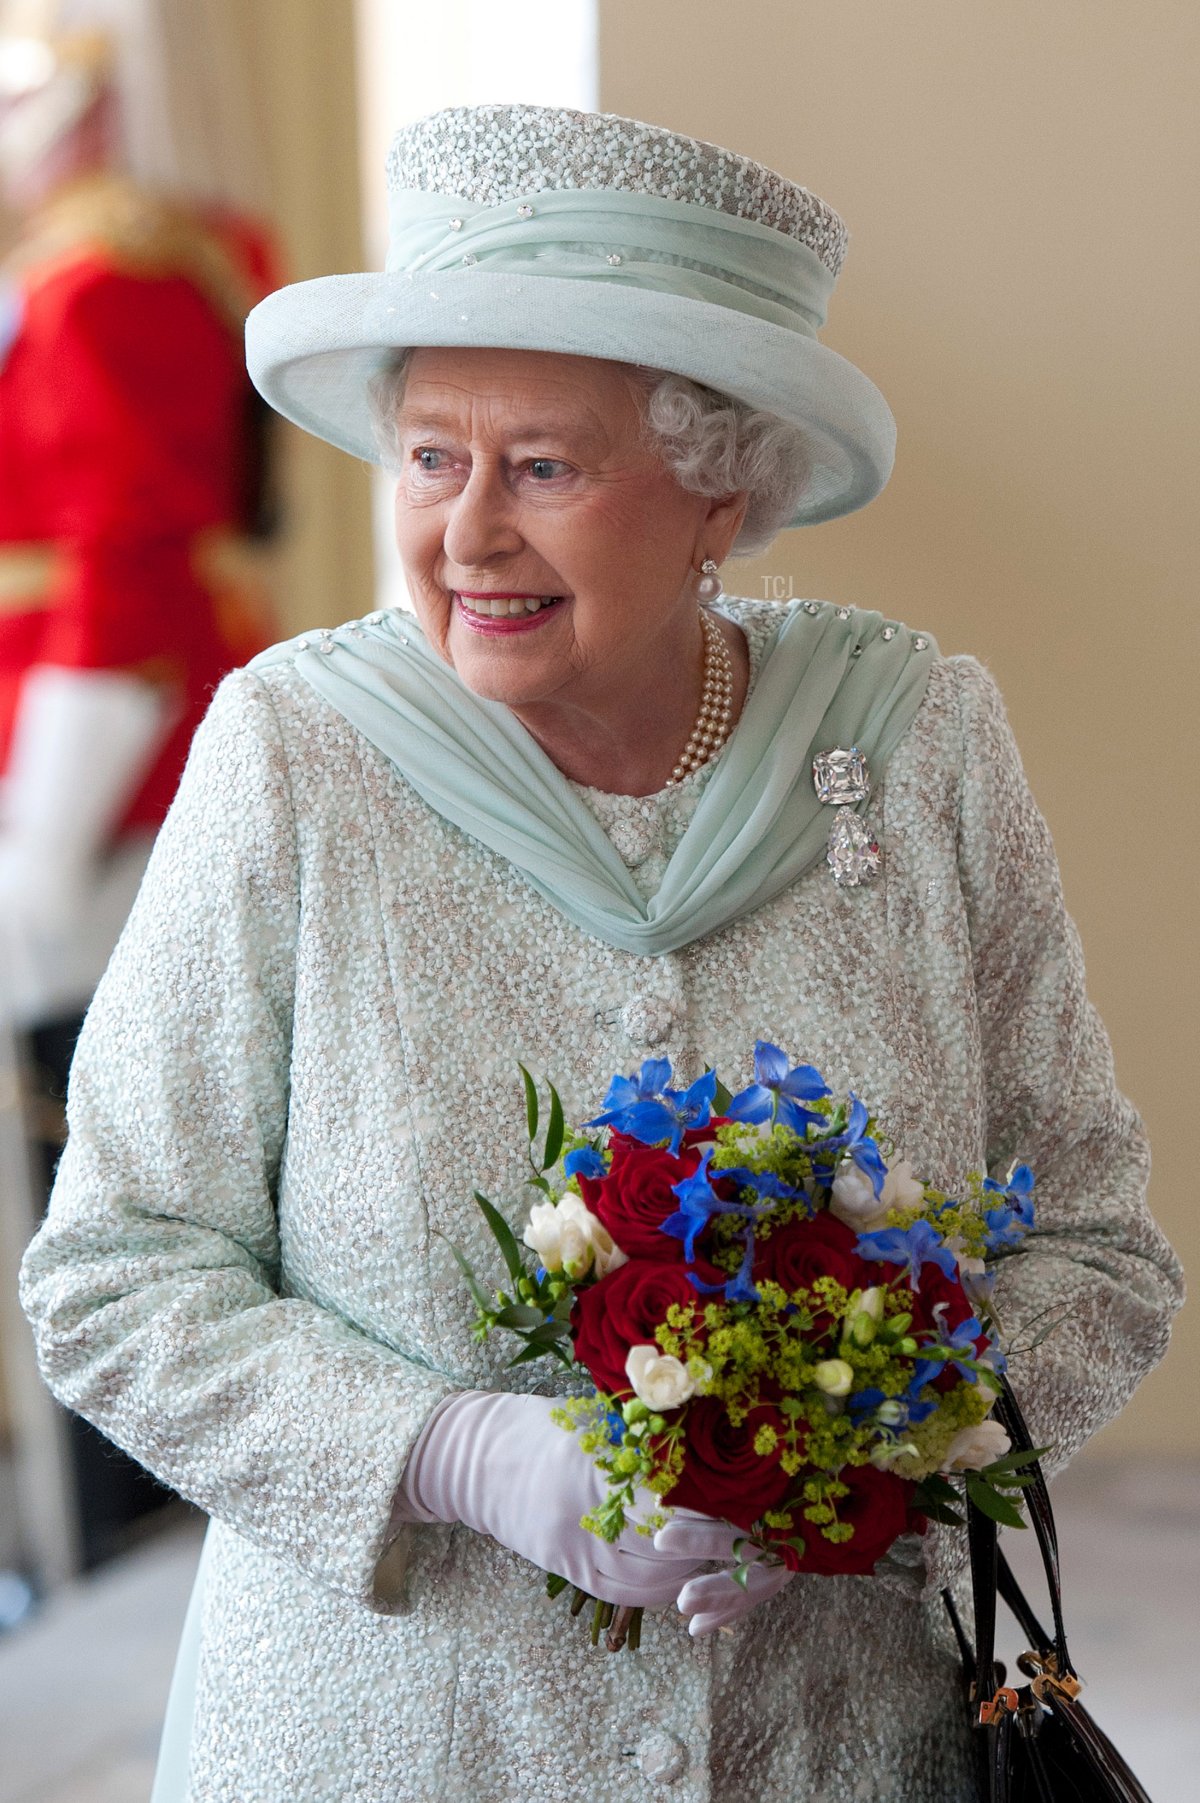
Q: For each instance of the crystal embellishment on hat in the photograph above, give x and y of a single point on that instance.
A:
(841, 777)
(853, 852)
(490, 155)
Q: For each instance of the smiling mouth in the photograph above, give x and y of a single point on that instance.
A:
(506, 607)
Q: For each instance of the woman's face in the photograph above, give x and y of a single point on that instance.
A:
(524, 481)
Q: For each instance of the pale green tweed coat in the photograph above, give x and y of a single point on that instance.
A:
(301, 1062)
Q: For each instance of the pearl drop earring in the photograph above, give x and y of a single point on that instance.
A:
(709, 586)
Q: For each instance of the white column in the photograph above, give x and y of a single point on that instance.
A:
(414, 60)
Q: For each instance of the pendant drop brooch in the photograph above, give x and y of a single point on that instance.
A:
(841, 780)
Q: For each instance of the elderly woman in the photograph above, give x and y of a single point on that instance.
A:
(565, 814)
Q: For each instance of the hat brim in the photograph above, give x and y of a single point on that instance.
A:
(312, 348)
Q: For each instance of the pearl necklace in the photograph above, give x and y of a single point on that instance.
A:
(716, 704)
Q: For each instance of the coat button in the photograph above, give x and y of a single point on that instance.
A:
(647, 1019)
(662, 1757)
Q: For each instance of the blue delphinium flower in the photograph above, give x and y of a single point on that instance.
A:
(777, 1091)
(739, 1287)
(699, 1202)
(853, 1143)
(1012, 1218)
(960, 1344)
(614, 1423)
(585, 1161)
(764, 1184)
(864, 1402)
(625, 1093)
(1005, 1228)
(646, 1109)
(915, 1409)
(912, 1247)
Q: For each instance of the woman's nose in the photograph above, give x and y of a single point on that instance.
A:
(481, 525)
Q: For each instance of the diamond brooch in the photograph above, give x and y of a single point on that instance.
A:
(841, 777)
(841, 780)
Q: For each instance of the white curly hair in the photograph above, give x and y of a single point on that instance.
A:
(711, 443)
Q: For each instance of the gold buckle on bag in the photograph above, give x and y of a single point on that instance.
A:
(1043, 1669)
(1005, 1698)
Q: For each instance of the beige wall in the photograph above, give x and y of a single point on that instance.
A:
(302, 53)
(1019, 182)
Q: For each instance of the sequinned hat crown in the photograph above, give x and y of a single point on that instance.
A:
(542, 228)
(492, 154)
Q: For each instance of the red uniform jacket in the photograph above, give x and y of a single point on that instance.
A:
(128, 455)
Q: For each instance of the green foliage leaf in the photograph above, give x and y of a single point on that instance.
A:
(1014, 1461)
(519, 1314)
(504, 1236)
(555, 1131)
(937, 1488)
(554, 1584)
(999, 1508)
(547, 1331)
(937, 1511)
(722, 1097)
(741, 1575)
(531, 1103)
(478, 1296)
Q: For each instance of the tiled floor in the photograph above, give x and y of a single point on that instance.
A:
(82, 1688)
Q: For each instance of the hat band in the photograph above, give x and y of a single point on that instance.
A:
(605, 235)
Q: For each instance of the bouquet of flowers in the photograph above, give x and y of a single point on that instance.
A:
(782, 1325)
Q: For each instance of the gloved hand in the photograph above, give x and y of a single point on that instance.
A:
(497, 1463)
(715, 1599)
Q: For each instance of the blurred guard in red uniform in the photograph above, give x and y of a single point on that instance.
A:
(131, 484)
(130, 476)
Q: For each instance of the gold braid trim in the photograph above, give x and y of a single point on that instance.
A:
(140, 233)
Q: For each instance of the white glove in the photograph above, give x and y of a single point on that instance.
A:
(83, 741)
(715, 1599)
(497, 1463)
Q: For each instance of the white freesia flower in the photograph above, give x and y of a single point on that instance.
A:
(968, 1266)
(854, 1200)
(870, 1302)
(662, 1382)
(900, 1188)
(834, 1376)
(567, 1237)
(974, 1447)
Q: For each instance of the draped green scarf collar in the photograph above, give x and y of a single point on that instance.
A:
(829, 677)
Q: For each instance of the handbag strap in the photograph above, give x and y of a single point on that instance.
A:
(991, 1573)
(1041, 1516)
(981, 1538)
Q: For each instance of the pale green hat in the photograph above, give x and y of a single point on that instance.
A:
(539, 228)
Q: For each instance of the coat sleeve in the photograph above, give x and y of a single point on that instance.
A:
(1085, 1304)
(154, 1285)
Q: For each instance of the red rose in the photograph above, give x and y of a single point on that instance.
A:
(796, 1254)
(877, 1508)
(622, 1311)
(935, 1287)
(636, 1197)
(722, 1474)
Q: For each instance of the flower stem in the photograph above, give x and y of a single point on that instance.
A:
(625, 1629)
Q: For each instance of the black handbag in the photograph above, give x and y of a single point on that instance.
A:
(1035, 1742)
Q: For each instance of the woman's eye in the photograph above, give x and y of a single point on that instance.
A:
(427, 459)
(544, 469)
